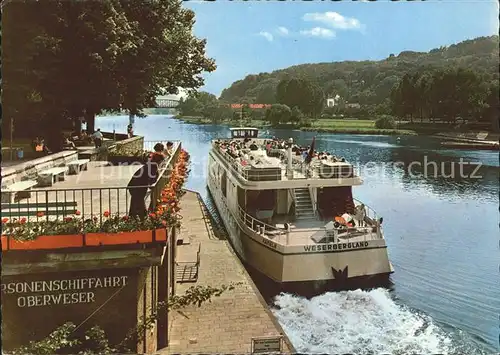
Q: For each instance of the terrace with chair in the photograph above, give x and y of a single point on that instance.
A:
(66, 222)
(62, 186)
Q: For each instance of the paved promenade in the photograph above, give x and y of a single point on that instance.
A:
(227, 324)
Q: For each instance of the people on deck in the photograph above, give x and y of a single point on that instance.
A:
(98, 137)
(239, 149)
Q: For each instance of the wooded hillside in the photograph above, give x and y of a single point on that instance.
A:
(370, 83)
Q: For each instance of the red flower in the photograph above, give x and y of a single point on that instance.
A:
(125, 218)
(152, 215)
(78, 213)
(106, 214)
(164, 222)
(40, 214)
(5, 220)
(68, 219)
(23, 220)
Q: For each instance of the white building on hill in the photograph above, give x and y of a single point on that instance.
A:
(332, 102)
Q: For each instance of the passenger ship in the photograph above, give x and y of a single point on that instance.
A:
(292, 217)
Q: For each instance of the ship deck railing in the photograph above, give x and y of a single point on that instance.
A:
(301, 232)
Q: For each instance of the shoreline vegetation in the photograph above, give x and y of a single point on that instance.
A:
(340, 126)
(451, 138)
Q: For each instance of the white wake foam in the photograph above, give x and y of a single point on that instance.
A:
(358, 322)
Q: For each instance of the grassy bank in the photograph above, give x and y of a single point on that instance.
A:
(370, 131)
(341, 126)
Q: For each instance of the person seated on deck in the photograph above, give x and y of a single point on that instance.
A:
(36, 145)
(254, 146)
(40, 147)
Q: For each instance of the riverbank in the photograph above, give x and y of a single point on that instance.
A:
(228, 323)
(471, 145)
(340, 126)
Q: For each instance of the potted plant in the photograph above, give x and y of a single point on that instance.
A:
(50, 234)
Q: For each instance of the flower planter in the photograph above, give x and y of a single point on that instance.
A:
(161, 235)
(126, 160)
(95, 239)
(47, 242)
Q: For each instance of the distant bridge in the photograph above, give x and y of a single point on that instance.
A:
(166, 102)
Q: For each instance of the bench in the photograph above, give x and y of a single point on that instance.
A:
(17, 190)
(77, 165)
(50, 176)
(18, 210)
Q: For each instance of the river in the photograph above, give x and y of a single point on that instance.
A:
(442, 236)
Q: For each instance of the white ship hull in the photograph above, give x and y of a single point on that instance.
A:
(287, 265)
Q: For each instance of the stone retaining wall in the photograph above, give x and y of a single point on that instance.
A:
(129, 145)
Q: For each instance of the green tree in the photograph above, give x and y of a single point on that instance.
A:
(169, 55)
(208, 103)
(423, 95)
(491, 110)
(125, 53)
(308, 97)
(403, 97)
(278, 114)
(188, 106)
(296, 116)
(385, 122)
(224, 113)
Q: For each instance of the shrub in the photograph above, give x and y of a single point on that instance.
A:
(385, 122)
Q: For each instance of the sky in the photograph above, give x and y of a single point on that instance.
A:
(251, 37)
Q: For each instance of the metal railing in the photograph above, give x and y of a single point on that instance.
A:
(266, 230)
(285, 237)
(257, 225)
(51, 204)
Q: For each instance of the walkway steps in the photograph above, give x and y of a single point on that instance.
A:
(303, 204)
(227, 323)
